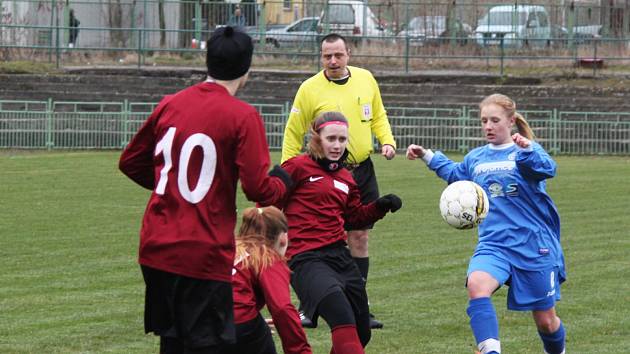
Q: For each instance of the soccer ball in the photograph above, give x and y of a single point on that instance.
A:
(464, 204)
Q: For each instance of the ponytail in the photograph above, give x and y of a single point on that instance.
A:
(523, 127)
(257, 236)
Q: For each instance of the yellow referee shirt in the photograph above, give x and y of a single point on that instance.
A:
(359, 100)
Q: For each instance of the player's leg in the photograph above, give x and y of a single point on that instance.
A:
(365, 177)
(485, 275)
(337, 312)
(550, 330)
(190, 315)
(538, 291)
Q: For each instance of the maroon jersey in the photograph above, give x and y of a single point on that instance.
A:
(320, 203)
(270, 287)
(191, 151)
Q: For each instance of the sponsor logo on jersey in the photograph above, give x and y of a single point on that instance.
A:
(313, 178)
(511, 189)
(294, 110)
(494, 167)
(496, 190)
(341, 186)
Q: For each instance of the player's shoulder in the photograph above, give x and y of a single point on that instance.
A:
(299, 160)
(315, 79)
(357, 71)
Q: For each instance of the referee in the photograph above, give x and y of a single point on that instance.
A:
(354, 92)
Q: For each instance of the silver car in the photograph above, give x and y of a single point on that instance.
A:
(300, 32)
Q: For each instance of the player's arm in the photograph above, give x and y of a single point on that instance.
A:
(535, 163)
(297, 126)
(380, 124)
(359, 215)
(274, 282)
(447, 169)
(136, 161)
(252, 159)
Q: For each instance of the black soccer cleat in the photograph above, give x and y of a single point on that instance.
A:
(374, 323)
(306, 322)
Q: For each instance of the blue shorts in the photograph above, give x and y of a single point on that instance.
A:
(529, 290)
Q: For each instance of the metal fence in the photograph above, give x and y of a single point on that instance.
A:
(110, 125)
(397, 35)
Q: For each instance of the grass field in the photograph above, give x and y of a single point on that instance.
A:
(70, 282)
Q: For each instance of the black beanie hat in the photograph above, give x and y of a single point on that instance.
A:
(229, 53)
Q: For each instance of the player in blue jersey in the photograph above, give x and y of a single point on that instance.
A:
(519, 242)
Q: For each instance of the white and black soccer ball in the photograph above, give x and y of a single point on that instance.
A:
(464, 204)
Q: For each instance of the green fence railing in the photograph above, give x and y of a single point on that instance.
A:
(110, 125)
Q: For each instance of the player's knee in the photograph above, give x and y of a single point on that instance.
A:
(358, 240)
(480, 284)
(547, 322)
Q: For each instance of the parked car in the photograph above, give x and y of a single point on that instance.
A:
(581, 35)
(515, 25)
(346, 17)
(300, 32)
(425, 30)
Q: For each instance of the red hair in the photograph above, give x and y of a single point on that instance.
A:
(257, 236)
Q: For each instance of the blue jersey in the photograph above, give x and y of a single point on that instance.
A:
(522, 225)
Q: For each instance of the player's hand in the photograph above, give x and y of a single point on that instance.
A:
(521, 141)
(279, 172)
(272, 327)
(390, 202)
(415, 151)
(388, 151)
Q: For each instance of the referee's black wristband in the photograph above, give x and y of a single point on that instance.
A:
(279, 172)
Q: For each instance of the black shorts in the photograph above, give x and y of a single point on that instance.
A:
(365, 177)
(252, 337)
(323, 271)
(197, 312)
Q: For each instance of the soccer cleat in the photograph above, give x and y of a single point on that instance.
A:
(374, 323)
(306, 322)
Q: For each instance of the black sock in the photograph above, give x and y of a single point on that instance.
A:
(364, 265)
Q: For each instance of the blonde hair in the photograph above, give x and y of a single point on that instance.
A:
(509, 106)
(314, 146)
(257, 236)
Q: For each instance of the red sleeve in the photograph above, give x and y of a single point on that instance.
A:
(274, 282)
(291, 168)
(136, 161)
(357, 214)
(253, 161)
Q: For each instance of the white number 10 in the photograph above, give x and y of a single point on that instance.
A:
(208, 166)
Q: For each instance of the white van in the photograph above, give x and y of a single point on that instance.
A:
(346, 18)
(517, 25)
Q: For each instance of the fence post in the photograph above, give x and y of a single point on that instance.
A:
(49, 124)
(595, 57)
(198, 23)
(125, 123)
(555, 144)
(57, 47)
(463, 146)
(139, 48)
(406, 53)
(502, 51)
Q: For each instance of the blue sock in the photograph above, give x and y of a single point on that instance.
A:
(483, 321)
(553, 342)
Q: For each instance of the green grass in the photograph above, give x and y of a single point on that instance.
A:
(26, 67)
(70, 282)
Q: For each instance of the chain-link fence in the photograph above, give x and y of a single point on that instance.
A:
(384, 34)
